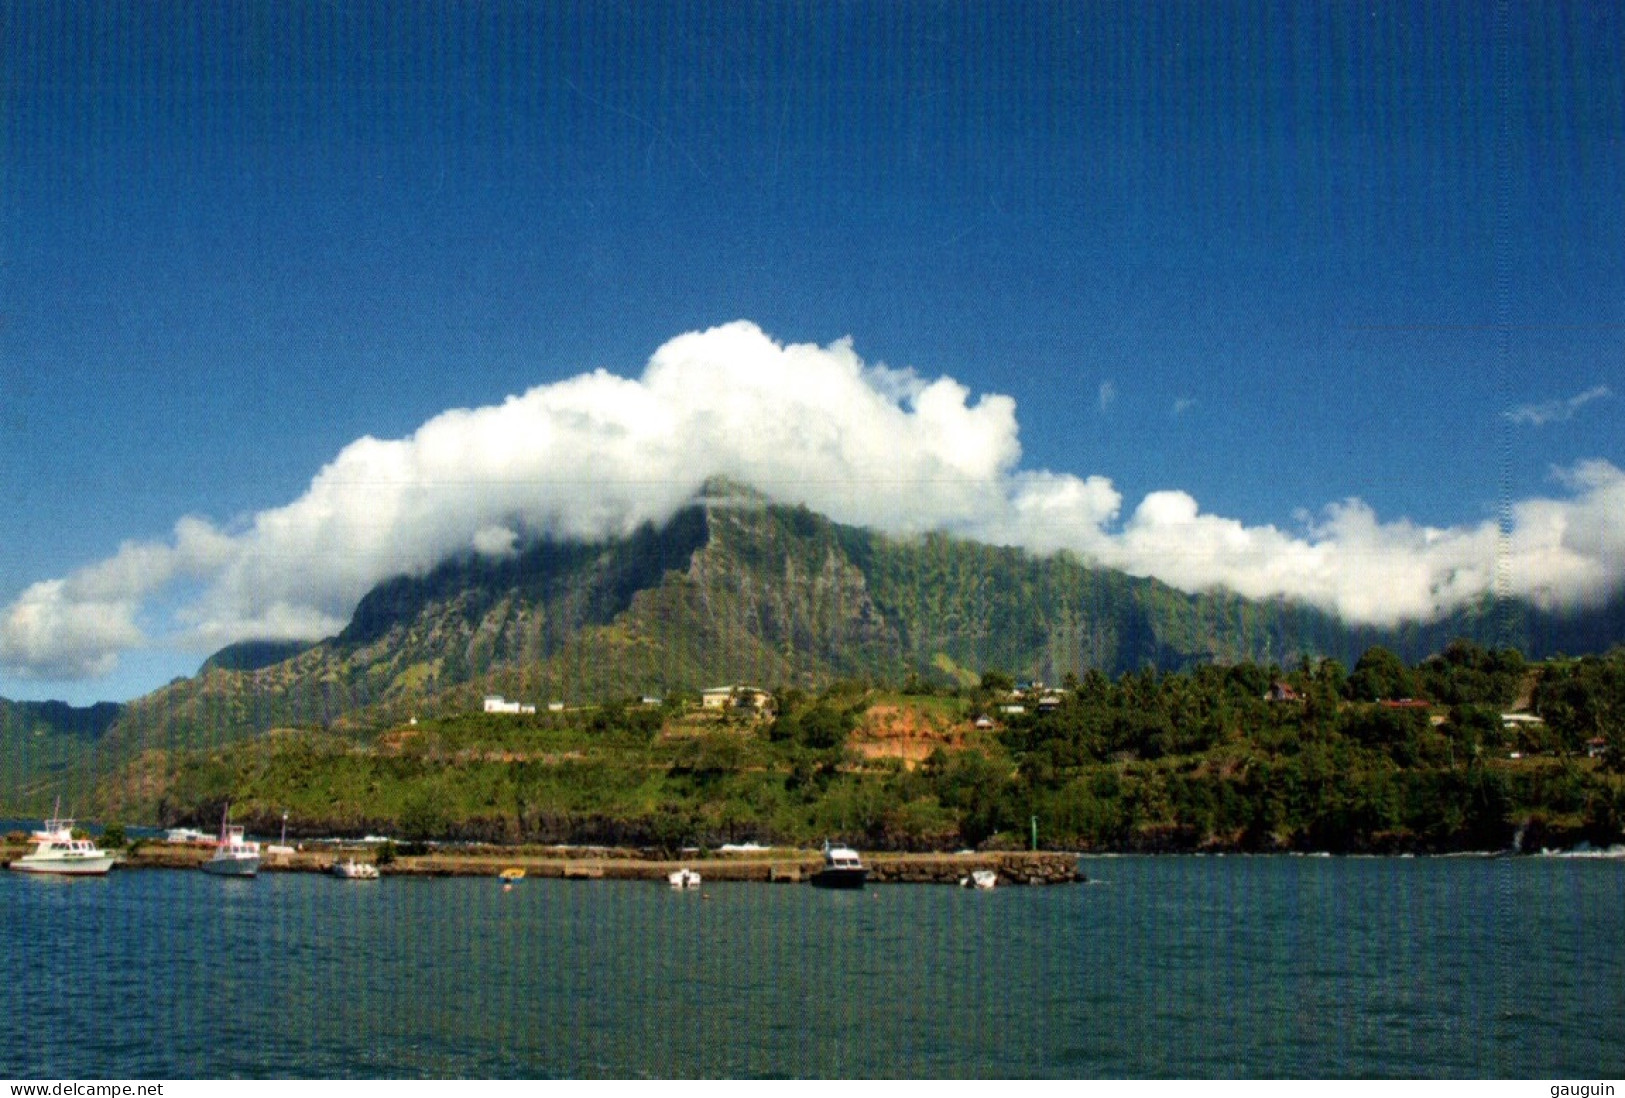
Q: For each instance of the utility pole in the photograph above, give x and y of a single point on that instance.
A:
(1035, 832)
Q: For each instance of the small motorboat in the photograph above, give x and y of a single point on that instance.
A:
(980, 878)
(233, 856)
(683, 878)
(512, 873)
(353, 870)
(842, 868)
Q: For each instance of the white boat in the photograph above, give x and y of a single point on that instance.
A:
(842, 868)
(1585, 850)
(59, 852)
(684, 878)
(353, 870)
(233, 856)
(980, 878)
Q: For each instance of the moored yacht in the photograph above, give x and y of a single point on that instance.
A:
(353, 870)
(59, 852)
(842, 868)
(233, 857)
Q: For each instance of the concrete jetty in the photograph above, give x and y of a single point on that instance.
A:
(773, 866)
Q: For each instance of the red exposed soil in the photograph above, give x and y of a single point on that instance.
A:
(892, 732)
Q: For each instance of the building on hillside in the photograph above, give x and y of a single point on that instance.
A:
(496, 703)
(1281, 692)
(735, 697)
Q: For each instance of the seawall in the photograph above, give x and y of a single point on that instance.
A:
(768, 867)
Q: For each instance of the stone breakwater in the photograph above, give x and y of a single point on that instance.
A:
(768, 867)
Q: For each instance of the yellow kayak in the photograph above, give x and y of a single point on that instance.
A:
(512, 874)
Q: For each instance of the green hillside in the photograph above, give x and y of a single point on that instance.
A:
(49, 749)
(732, 589)
(1187, 761)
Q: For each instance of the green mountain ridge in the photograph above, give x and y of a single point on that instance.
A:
(732, 589)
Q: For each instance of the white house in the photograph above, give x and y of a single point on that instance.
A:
(495, 703)
(742, 697)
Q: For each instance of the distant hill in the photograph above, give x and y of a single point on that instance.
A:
(82, 722)
(252, 655)
(44, 744)
(735, 588)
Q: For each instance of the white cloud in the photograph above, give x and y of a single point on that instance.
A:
(1108, 394)
(1556, 411)
(496, 541)
(54, 632)
(76, 627)
(598, 454)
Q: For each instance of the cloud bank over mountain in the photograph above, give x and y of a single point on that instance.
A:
(598, 454)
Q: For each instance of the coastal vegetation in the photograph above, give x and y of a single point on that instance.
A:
(1383, 757)
(730, 589)
(903, 714)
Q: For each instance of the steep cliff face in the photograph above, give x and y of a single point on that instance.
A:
(781, 577)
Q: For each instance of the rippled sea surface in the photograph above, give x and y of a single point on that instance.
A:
(1204, 967)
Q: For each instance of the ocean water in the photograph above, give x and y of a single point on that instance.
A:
(1189, 967)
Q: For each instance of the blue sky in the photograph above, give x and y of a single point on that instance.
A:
(1243, 261)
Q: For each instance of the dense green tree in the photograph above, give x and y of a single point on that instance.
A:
(1331, 674)
(1249, 680)
(823, 726)
(1467, 673)
(1475, 729)
(1584, 701)
(1392, 730)
(998, 682)
(424, 817)
(1380, 675)
(974, 786)
(1095, 687)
